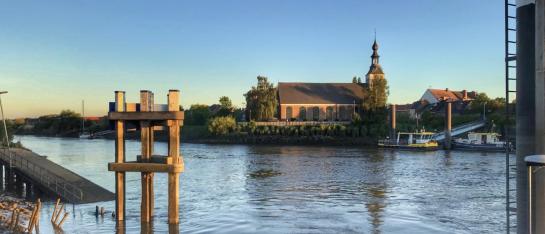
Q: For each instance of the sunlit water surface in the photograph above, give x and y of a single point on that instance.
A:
(310, 190)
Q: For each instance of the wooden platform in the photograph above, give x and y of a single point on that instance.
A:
(48, 175)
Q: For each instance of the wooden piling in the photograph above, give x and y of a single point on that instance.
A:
(120, 157)
(448, 125)
(146, 142)
(55, 210)
(58, 213)
(59, 225)
(173, 154)
(34, 221)
(150, 117)
(393, 121)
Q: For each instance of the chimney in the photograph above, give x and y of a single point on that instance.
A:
(464, 93)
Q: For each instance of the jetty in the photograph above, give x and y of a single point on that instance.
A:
(50, 177)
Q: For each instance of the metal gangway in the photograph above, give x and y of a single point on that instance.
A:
(461, 129)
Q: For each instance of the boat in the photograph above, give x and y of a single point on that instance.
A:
(480, 141)
(411, 140)
(83, 134)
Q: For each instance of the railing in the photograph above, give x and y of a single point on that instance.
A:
(44, 177)
(296, 123)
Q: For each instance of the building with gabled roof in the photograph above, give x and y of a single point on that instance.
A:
(326, 101)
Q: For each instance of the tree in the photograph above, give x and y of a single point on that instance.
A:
(354, 80)
(478, 102)
(376, 95)
(261, 101)
(359, 80)
(198, 114)
(226, 107)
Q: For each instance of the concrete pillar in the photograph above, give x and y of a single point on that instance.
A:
(448, 125)
(393, 113)
(539, 181)
(525, 108)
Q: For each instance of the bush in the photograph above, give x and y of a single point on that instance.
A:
(222, 125)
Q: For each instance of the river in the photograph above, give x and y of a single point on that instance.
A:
(311, 189)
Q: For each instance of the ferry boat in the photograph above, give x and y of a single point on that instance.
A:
(411, 140)
(485, 141)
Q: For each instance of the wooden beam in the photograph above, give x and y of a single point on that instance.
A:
(145, 167)
(120, 158)
(158, 115)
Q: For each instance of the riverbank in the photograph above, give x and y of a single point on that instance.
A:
(200, 135)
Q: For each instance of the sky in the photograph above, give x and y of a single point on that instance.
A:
(54, 54)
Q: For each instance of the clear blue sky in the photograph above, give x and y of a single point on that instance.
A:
(53, 54)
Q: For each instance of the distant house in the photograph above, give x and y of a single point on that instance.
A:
(433, 100)
(433, 96)
(326, 101)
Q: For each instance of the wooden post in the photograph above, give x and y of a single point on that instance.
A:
(174, 158)
(145, 132)
(120, 157)
(448, 125)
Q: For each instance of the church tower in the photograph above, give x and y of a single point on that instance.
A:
(375, 70)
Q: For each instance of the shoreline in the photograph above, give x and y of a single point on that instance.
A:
(277, 140)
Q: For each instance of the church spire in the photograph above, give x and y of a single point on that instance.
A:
(375, 67)
(375, 55)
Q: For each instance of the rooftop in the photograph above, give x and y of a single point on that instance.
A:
(320, 93)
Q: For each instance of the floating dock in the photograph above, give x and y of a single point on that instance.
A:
(53, 178)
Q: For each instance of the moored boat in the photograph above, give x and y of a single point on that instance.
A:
(411, 140)
(488, 141)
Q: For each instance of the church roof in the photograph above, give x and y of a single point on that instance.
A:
(320, 93)
(375, 69)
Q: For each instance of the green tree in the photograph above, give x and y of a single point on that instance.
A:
(477, 104)
(226, 107)
(354, 80)
(220, 126)
(376, 95)
(261, 101)
(198, 114)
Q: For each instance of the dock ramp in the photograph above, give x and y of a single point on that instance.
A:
(56, 179)
(461, 129)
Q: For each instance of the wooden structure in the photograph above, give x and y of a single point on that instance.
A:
(148, 117)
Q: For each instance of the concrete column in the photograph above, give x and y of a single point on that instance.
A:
(539, 189)
(448, 125)
(525, 108)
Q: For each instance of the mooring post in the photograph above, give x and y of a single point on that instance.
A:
(448, 125)
(393, 121)
(147, 179)
(174, 158)
(120, 157)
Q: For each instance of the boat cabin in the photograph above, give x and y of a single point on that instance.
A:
(414, 138)
(481, 138)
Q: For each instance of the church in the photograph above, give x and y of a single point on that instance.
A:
(326, 101)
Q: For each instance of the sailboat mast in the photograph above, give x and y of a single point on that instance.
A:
(82, 116)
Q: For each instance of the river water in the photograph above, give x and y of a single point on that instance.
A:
(308, 189)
